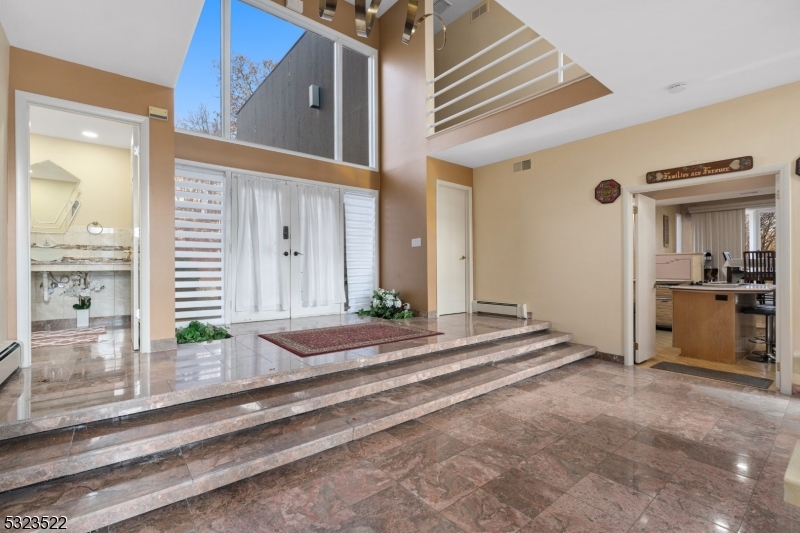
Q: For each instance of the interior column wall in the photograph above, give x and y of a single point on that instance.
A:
(403, 162)
(39, 74)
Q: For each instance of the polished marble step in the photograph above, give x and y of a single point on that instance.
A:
(113, 493)
(40, 457)
(153, 381)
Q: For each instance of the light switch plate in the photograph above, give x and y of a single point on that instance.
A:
(295, 5)
(416, 243)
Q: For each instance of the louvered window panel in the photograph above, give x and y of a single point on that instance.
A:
(199, 242)
(360, 223)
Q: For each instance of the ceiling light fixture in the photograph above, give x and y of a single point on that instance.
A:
(366, 16)
(676, 88)
(90, 134)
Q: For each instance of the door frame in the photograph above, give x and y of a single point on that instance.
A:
(469, 288)
(783, 178)
(228, 170)
(22, 102)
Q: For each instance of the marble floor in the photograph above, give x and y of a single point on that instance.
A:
(593, 447)
(108, 374)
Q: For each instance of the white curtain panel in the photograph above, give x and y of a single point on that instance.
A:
(717, 232)
(322, 262)
(262, 277)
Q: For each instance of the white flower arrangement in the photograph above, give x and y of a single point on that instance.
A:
(387, 304)
(81, 288)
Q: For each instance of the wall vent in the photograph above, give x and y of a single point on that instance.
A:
(440, 6)
(479, 11)
(519, 166)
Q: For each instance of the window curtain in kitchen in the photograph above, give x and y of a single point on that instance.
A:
(717, 232)
(262, 278)
(322, 259)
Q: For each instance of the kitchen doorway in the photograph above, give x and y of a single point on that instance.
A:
(642, 341)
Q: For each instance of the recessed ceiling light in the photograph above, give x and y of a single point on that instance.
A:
(676, 88)
(90, 134)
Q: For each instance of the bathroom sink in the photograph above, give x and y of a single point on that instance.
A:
(46, 254)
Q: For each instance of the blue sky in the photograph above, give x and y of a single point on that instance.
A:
(254, 33)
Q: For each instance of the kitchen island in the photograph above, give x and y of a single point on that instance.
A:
(708, 322)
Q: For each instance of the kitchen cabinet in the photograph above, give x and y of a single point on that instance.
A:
(679, 267)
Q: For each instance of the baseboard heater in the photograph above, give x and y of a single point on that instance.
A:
(500, 308)
(9, 360)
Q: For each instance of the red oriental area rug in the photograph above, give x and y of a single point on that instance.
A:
(339, 338)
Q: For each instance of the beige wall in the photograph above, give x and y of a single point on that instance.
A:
(4, 260)
(228, 154)
(541, 238)
(105, 174)
(670, 211)
(48, 76)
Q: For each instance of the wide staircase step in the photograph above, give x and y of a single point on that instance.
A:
(63, 412)
(112, 470)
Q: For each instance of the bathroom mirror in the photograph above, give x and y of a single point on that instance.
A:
(55, 197)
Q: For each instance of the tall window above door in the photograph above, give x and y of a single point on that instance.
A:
(285, 82)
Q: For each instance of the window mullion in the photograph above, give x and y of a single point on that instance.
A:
(338, 118)
(225, 69)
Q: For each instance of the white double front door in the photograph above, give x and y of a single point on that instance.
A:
(286, 250)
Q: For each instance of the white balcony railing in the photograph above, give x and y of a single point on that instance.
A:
(514, 68)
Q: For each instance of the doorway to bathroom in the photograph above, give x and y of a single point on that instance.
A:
(79, 247)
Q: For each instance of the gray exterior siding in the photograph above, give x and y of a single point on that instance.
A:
(278, 114)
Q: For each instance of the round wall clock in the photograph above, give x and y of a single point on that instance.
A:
(607, 192)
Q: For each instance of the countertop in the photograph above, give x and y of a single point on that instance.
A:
(78, 264)
(741, 288)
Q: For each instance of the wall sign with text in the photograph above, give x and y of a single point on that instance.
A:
(699, 171)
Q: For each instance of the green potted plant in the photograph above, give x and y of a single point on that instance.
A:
(198, 332)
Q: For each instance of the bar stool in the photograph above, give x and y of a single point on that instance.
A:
(768, 355)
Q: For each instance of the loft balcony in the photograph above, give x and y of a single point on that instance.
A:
(495, 73)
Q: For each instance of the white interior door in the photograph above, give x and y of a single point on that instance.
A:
(260, 238)
(645, 277)
(452, 246)
(135, 240)
(317, 251)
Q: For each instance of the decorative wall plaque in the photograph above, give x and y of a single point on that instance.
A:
(698, 171)
(607, 192)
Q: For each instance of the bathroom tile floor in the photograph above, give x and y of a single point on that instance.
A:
(65, 379)
(593, 447)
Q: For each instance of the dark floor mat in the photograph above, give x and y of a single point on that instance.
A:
(741, 379)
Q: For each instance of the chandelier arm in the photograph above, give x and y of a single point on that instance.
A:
(408, 35)
(365, 17)
(327, 8)
(411, 17)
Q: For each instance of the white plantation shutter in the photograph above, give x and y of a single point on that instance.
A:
(199, 241)
(360, 228)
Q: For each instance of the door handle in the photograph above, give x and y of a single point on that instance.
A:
(286, 254)
(297, 253)
(463, 257)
